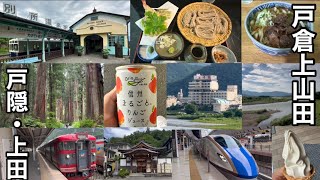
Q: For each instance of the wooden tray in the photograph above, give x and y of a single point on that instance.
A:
(186, 32)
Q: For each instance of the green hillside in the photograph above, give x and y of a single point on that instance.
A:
(155, 138)
(179, 75)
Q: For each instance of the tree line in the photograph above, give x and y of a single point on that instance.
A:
(58, 94)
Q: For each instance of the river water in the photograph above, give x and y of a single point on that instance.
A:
(284, 108)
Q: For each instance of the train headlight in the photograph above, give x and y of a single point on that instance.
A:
(68, 156)
(222, 158)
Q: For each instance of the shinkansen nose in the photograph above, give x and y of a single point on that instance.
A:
(239, 157)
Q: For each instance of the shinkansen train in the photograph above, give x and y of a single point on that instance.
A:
(18, 46)
(228, 154)
(73, 154)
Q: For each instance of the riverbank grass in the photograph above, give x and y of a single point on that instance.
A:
(253, 118)
(228, 123)
(263, 100)
(287, 120)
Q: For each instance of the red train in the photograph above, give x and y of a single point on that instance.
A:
(73, 154)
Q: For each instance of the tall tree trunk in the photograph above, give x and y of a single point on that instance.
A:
(76, 103)
(94, 89)
(70, 103)
(59, 111)
(66, 111)
(1, 108)
(40, 98)
(51, 85)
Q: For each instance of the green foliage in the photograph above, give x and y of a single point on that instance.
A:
(263, 99)
(52, 122)
(238, 113)
(153, 23)
(175, 108)
(29, 121)
(179, 75)
(124, 173)
(199, 115)
(86, 123)
(232, 113)
(262, 111)
(79, 50)
(205, 107)
(4, 45)
(155, 138)
(191, 108)
(227, 114)
(284, 121)
(228, 123)
(105, 52)
(318, 111)
(263, 117)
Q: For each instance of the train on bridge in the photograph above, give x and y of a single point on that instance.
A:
(73, 154)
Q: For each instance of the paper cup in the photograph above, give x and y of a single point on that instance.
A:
(136, 95)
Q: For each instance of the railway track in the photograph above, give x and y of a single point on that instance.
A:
(263, 177)
(3, 56)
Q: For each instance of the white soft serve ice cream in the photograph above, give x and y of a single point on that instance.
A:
(296, 162)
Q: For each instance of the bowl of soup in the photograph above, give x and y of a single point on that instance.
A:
(268, 26)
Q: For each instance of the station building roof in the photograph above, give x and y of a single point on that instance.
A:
(33, 135)
(127, 18)
(26, 23)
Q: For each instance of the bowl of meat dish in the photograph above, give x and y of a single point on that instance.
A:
(269, 27)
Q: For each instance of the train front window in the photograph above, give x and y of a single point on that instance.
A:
(82, 146)
(61, 146)
(68, 145)
(227, 142)
(93, 145)
(15, 47)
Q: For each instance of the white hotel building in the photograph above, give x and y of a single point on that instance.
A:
(204, 90)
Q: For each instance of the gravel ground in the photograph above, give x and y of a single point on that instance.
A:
(90, 58)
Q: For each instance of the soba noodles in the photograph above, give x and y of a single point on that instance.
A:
(205, 23)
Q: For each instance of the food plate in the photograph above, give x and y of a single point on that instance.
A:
(149, 40)
(145, 54)
(215, 38)
(224, 51)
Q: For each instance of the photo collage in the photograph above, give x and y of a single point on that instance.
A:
(159, 89)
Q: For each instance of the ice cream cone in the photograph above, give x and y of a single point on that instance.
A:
(313, 171)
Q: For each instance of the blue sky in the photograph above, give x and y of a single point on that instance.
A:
(271, 77)
(67, 12)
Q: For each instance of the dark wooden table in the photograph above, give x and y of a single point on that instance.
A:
(231, 7)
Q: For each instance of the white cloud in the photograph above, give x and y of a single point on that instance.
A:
(268, 77)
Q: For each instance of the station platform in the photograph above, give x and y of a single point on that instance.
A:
(192, 166)
(48, 171)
